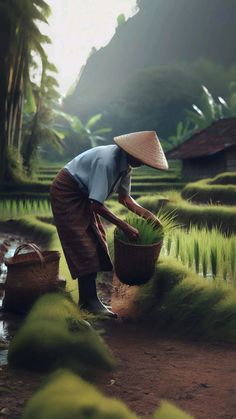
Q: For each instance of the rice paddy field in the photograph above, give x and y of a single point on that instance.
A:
(195, 277)
(208, 251)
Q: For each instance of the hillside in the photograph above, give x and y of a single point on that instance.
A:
(162, 32)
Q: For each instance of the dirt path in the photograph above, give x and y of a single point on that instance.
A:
(200, 378)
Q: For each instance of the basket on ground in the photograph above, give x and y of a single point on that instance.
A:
(29, 276)
(135, 263)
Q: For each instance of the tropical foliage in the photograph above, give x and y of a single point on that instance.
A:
(78, 136)
(209, 110)
(202, 115)
(21, 54)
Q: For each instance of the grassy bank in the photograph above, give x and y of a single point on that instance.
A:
(210, 216)
(218, 190)
(55, 335)
(177, 301)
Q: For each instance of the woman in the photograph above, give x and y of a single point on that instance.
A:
(77, 196)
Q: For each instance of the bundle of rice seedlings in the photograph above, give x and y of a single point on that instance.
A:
(68, 396)
(55, 335)
(149, 233)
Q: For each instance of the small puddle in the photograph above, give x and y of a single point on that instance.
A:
(8, 322)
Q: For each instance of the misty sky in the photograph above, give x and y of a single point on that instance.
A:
(75, 27)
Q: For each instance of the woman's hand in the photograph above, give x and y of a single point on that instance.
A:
(131, 232)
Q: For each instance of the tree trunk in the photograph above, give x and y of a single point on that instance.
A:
(4, 48)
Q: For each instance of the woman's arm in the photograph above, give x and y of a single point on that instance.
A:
(133, 206)
(100, 209)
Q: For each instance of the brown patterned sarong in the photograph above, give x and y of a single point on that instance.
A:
(80, 230)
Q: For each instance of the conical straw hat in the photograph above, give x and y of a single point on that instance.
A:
(144, 146)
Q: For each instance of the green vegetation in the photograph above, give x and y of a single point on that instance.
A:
(55, 335)
(17, 208)
(148, 232)
(187, 214)
(227, 178)
(209, 110)
(68, 396)
(25, 107)
(220, 190)
(208, 252)
(174, 88)
(177, 301)
(169, 411)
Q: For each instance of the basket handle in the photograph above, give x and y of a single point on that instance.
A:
(32, 246)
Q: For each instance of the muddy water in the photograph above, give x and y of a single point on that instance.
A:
(8, 322)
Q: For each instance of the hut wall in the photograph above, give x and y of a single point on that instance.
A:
(230, 159)
(204, 167)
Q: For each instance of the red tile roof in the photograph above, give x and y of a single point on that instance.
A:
(218, 136)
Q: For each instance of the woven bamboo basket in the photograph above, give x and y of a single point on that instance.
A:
(135, 264)
(30, 275)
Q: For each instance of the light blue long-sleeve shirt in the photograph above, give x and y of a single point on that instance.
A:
(101, 171)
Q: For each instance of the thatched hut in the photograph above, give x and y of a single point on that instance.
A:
(209, 151)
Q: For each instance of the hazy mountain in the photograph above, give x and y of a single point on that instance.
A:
(162, 32)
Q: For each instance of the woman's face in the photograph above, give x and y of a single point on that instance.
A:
(134, 162)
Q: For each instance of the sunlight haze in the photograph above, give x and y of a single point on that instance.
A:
(75, 26)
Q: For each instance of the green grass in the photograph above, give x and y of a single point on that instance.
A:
(55, 335)
(227, 178)
(67, 396)
(219, 190)
(178, 302)
(210, 216)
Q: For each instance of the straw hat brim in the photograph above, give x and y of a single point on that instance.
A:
(145, 147)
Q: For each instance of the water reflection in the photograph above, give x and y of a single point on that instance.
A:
(8, 323)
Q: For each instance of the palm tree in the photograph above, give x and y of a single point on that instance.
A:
(39, 119)
(22, 38)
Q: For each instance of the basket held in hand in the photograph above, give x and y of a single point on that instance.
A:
(29, 276)
(135, 263)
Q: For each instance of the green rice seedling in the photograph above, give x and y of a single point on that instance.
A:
(204, 262)
(190, 255)
(14, 209)
(232, 256)
(67, 396)
(196, 255)
(168, 246)
(214, 260)
(177, 246)
(224, 263)
(47, 340)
